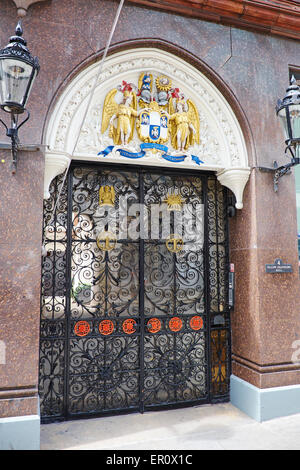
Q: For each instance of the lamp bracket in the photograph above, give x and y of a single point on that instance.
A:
(280, 171)
(12, 133)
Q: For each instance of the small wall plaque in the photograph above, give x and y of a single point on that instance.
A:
(278, 267)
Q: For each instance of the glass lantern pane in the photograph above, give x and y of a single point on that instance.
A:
(283, 121)
(14, 80)
(295, 120)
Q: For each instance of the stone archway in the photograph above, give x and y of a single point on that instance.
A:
(222, 145)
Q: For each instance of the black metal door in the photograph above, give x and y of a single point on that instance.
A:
(134, 312)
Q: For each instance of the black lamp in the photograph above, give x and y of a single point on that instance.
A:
(18, 69)
(288, 111)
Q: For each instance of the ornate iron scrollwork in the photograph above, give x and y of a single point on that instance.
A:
(146, 338)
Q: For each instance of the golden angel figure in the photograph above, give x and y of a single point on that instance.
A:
(184, 124)
(124, 113)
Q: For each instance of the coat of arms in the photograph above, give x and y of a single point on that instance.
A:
(152, 124)
(157, 111)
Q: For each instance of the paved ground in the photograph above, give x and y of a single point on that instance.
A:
(211, 427)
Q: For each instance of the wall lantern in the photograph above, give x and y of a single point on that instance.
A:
(288, 111)
(18, 70)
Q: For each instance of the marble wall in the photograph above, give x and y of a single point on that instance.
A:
(21, 212)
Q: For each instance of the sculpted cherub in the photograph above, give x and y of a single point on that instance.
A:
(123, 113)
(184, 124)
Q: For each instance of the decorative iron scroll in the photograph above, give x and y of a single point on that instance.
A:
(137, 326)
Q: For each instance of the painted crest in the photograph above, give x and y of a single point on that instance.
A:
(129, 326)
(158, 112)
(175, 324)
(154, 325)
(82, 328)
(196, 322)
(106, 327)
(152, 125)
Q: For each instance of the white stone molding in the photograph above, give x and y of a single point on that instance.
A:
(55, 164)
(23, 5)
(222, 144)
(235, 179)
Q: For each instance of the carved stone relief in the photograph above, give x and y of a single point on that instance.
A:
(221, 147)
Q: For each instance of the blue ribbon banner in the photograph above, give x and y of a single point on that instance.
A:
(166, 156)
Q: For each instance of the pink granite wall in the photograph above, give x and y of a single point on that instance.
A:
(65, 34)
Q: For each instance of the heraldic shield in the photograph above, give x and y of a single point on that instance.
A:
(152, 125)
(159, 114)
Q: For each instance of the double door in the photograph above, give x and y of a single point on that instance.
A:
(134, 311)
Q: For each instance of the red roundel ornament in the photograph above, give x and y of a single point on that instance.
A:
(82, 328)
(106, 327)
(196, 322)
(175, 324)
(129, 326)
(154, 325)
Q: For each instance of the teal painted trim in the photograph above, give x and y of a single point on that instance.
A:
(20, 433)
(264, 404)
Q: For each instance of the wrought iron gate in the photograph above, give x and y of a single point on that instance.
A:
(134, 312)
